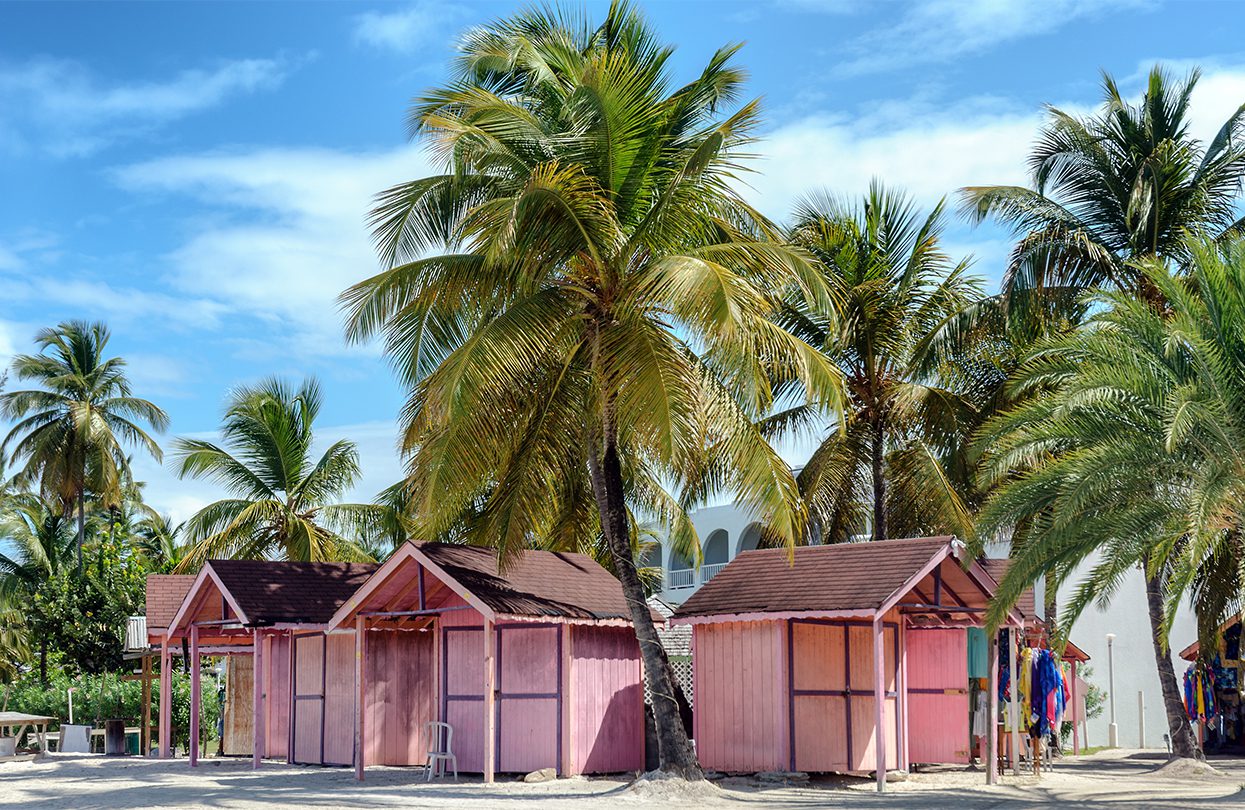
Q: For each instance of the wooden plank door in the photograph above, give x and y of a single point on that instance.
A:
(819, 699)
(339, 699)
(462, 698)
(862, 713)
(938, 710)
(529, 697)
(308, 716)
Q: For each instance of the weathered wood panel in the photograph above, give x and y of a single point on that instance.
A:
(741, 696)
(819, 664)
(463, 701)
(527, 713)
(276, 659)
(308, 716)
(339, 699)
(239, 719)
(606, 700)
(938, 710)
(401, 696)
(863, 709)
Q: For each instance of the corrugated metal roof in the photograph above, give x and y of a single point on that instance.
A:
(846, 576)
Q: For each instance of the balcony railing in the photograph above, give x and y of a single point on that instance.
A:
(680, 578)
(708, 572)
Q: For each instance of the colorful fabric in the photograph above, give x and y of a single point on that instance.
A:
(978, 653)
(1199, 693)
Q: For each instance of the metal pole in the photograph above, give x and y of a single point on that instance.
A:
(1141, 719)
(1113, 731)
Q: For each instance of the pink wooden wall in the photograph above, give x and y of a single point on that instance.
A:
(740, 676)
(528, 705)
(743, 696)
(607, 700)
(401, 696)
(276, 666)
(938, 709)
(339, 700)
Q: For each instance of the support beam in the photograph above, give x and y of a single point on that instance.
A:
(490, 696)
(879, 699)
(1014, 707)
(566, 765)
(195, 694)
(901, 699)
(992, 714)
(360, 704)
(144, 734)
(1076, 736)
(258, 687)
(166, 700)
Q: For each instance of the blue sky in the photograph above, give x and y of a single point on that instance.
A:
(197, 174)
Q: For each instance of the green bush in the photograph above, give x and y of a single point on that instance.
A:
(108, 697)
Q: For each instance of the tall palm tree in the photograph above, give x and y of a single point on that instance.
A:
(891, 469)
(1130, 455)
(71, 433)
(285, 501)
(602, 321)
(1127, 183)
(39, 543)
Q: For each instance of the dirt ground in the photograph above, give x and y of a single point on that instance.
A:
(1110, 779)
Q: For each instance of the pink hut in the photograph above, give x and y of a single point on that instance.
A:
(302, 682)
(534, 666)
(839, 658)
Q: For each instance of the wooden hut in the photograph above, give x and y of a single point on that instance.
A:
(302, 677)
(847, 658)
(534, 666)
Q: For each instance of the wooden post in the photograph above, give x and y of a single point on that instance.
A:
(195, 696)
(901, 699)
(490, 697)
(992, 713)
(1076, 737)
(258, 731)
(567, 764)
(360, 705)
(879, 699)
(144, 734)
(166, 700)
(1014, 706)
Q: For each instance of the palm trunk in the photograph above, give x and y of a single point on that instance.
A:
(1183, 742)
(81, 528)
(674, 750)
(879, 481)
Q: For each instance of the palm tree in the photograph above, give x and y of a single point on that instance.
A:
(285, 501)
(891, 469)
(1130, 455)
(71, 431)
(40, 542)
(601, 323)
(1127, 183)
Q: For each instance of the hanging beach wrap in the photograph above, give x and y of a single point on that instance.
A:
(1199, 693)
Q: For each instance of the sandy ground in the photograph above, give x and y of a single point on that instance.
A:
(1107, 780)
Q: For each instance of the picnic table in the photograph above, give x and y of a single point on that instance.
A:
(23, 722)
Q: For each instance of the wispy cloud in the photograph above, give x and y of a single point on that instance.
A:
(405, 30)
(932, 31)
(62, 107)
(281, 231)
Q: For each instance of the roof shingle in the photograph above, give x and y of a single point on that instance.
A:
(271, 592)
(165, 593)
(845, 576)
(996, 567)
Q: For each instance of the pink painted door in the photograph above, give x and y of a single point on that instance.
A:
(529, 702)
(938, 711)
(308, 716)
(462, 698)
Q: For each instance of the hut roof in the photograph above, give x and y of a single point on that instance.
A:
(165, 593)
(534, 583)
(1026, 605)
(845, 576)
(271, 592)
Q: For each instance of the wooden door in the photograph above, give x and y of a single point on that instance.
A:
(308, 715)
(462, 698)
(938, 710)
(529, 697)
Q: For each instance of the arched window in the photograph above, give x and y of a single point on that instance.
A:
(750, 538)
(717, 548)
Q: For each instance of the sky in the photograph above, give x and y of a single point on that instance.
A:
(198, 175)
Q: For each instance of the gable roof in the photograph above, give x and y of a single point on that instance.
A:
(273, 592)
(997, 567)
(539, 584)
(842, 577)
(165, 593)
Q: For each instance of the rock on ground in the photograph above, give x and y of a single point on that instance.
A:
(543, 775)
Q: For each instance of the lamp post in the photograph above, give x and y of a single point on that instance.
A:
(1113, 731)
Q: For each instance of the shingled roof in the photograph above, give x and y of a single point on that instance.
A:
(1026, 605)
(535, 583)
(165, 593)
(845, 576)
(271, 592)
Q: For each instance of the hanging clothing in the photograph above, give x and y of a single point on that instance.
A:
(978, 653)
(1199, 692)
(981, 715)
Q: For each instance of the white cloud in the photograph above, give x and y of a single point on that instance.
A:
(938, 30)
(63, 108)
(403, 31)
(293, 235)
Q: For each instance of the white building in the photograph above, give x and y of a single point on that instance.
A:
(727, 530)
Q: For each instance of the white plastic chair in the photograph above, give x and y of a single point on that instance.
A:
(439, 757)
